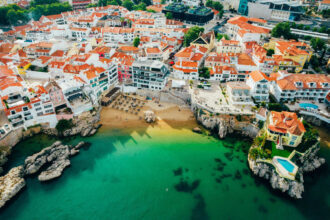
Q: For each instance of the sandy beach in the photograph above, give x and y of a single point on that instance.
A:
(167, 114)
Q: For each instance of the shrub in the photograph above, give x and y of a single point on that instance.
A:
(63, 125)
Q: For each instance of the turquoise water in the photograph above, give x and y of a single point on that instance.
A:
(161, 174)
(286, 164)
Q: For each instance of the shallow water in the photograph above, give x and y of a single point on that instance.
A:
(161, 174)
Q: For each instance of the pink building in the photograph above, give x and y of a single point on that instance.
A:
(55, 94)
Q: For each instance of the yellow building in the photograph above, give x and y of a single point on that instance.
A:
(284, 128)
(299, 52)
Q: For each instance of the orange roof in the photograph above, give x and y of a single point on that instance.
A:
(128, 49)
(289, 82)
(244, 59)
(153, 50)
(286, 122)
(58, 53)
(258, 76)
(221, 69)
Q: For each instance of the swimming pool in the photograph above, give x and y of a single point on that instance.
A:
(286, 164)
(308, 105)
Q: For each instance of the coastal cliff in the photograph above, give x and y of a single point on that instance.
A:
(307, 162)
(225, 124)
(11, 184)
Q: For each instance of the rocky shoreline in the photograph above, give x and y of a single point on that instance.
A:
(85, 125)
(308, 162)
(294, 188)
(49, 163)
(224, 125)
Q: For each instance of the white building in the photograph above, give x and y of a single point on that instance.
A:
(239, 93)
(289, 87)
(259, 84)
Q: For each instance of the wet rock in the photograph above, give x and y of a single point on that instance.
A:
(11, 184)
(55, 156)
(197, 130)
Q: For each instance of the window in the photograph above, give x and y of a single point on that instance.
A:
(47, 106)
(13, 112)
(25, 108)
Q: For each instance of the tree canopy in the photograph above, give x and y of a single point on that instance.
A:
(169, 15)
(318, 44)
(128, 4)
(136, 42)
(215, 5)
(14, 15)
(282, 29)
(192, 34)
(204, 72)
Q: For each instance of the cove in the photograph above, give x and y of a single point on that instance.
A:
(158, 173)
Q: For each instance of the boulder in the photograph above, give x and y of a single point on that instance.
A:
(149, 116)
(197, 130)
(11, 184)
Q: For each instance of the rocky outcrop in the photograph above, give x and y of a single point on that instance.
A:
(224, 125)
(294, 188)
(85, 124)
(11, 184)
(307, 162)
(310, 161)
(149, 116)
(55, 156)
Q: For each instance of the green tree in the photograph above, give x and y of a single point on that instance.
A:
(192, 34)
(63, 125)
(147, 2)
(282, 29)
(169, 15)
(270, 52)
(136, 42)
(162, 2)
(91, 5)
(325, 13)
(204, 72)
(220, 36)
(209, 3)
(128, 4)
(102, 3)
(140, 7)
(318, 44)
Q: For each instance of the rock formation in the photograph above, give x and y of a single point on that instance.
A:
(149, 116)
(57, 156)
(308, 162)
(266, 171)
(11, 184)
(226, 125)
